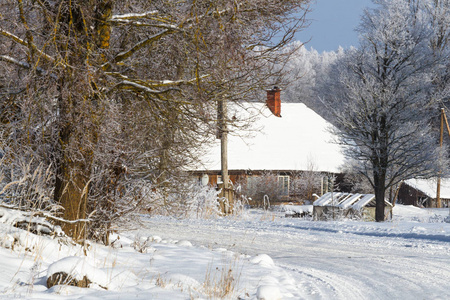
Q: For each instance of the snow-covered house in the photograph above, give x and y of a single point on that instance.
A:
(336, 204)
(297, 141)
(421, 192)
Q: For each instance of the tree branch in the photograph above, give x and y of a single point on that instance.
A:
(134, 86)
(25, 65)
(128, 53)
(26, 44)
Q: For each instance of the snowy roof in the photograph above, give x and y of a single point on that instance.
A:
(346, 200)
(330, 198)
(294, 141)
(429, 186)
(365, 200)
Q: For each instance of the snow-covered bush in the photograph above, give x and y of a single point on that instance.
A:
(120, 202)
(188, 200)
(142, 244)
(30, 221)
(125, 202)
(26, 184)
(202, 202)
(434, 218)
(26, 196)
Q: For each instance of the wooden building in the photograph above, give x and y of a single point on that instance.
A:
(289, 185)
(286, 147)
(422, 192)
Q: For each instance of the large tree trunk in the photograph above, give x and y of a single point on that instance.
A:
(380, 166)
(379, 180)
(380, 190)
(71, 191)
(77, 105)
(73, 171)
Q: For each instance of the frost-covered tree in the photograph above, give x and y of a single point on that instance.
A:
(308, 68)
(381, 95)
(439, 18)
(116, 94)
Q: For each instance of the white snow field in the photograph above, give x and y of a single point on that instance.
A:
(260, 255)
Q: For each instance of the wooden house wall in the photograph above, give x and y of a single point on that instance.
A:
(408, 195)
(237, 176)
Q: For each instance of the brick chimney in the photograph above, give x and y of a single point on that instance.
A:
(273, 101)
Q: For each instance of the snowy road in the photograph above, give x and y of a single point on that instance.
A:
(334, 260)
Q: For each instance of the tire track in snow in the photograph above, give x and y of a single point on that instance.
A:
(330, 264)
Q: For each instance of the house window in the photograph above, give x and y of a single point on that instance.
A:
(283, 185)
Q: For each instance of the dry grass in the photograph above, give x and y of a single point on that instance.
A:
(268, 216)
(222, 282)
(161, 281)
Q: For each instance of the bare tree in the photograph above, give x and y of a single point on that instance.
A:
(354, 180)
(304, 184)
(114, 94)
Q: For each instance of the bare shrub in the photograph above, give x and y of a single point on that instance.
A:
(304, 184)
(187, 200)
(258, 188)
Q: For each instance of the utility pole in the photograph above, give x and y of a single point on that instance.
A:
(274, 104)
(443, 119)
(226, 194)
(441, 139)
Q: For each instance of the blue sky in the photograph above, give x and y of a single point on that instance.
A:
(333, 24)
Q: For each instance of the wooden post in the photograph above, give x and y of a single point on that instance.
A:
(446, 122)
(448, 131)
(325, 184)
(321, 187)
(223, 133)
(441, 138)
(396, 193)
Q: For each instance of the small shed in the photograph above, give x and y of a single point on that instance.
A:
(333, 205)
(423, 192)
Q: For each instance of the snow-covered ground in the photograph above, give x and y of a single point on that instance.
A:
(260, 255)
